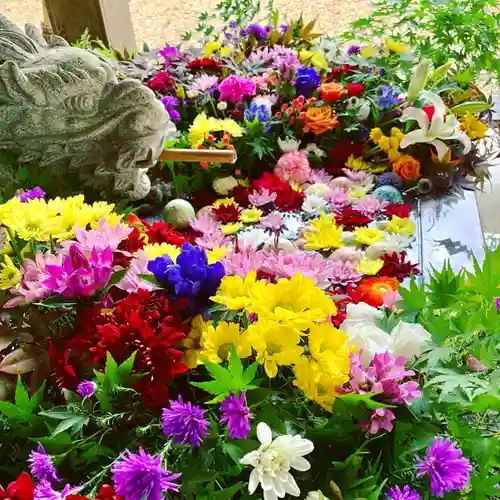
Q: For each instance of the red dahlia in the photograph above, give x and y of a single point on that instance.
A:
(270, 182)
(355, 89)
(226, 213)
(397, 266)
(240, 195)
(133, 242)
(161, 232)
(289, 200)
(350, 218)
(401, 210)
(161, 82)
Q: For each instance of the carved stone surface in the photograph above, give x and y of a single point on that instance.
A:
(65, 109)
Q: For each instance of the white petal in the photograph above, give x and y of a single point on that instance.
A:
(264, 434)
(300, 463)
(250, 458)
(414, 137)
(267, 482)
(303, 447)
(291, 486)
(464, 139)
(418, 115)
(253, 481)
(270, 495)
(441, 148)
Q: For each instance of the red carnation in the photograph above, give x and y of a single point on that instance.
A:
(226, 213)
(355, 89)
(396, 265)
(20, 489)
(161, 232)
(350, 218)
(162, 82)
(289, 200)
(205, 64)
(339, 154)
(400, 210)
(271, 182)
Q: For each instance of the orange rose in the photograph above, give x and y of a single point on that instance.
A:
(332, 91)
(407, 167)
(320, 120)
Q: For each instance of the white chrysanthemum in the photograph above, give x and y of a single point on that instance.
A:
(224, 185)
(288, 144)
(273, 460)
(317, 190)
(314, 205)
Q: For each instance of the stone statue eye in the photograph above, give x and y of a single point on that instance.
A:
(82, 104)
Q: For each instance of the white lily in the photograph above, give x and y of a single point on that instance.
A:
(442, 127)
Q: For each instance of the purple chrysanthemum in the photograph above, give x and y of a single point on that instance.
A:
(169, 102)
(237, 415)
(140, 476)
(396, 493)
(33, 194)
(86, 388)
(44, 491)
(185, 422)
(41, 466)
(448, 469)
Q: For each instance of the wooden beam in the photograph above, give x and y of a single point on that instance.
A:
(106, 20)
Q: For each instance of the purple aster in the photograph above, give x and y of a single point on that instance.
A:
(185, 422)
(86, 388)
(36, 193)
(44, 491)
(237, 415)
(396, 493)
(353, 50)
(448, 469)
(306, 80)
(170, 102)
(381, 419)
(140, 476)
(41, 466)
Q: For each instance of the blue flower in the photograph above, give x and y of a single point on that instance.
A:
(388, 97)
(259, 112)
(306, 80)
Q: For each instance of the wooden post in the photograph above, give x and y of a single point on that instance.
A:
(107, 20)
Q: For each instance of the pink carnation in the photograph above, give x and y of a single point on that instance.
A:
(293, 167)
(235, 88)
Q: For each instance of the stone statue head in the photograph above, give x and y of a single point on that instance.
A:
(63, 108)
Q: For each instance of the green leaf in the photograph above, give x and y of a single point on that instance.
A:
(225, 494)
(37, 398)
(116, 277)
(12, 412)
(21, 397)
(235, 366)
(249, 373)
(126, 367)
(54, 444)
(366, 399)
(73, 424)
(111, 369)
(470, 107)
(150, 278)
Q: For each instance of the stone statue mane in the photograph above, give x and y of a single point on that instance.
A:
(63, 108)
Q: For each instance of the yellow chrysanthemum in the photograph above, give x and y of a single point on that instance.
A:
(158, 249)
(251, 215)
(217, 341)
(228, 125)
(473, 126)
(275, 345)
(234, 292)
(224, 201)
(231, 227)
(10, 275)
(295, 302)
(323, 234)
(368, 235)
(193, 341)
(400, 225)
(199, 129)
(396, 47)
(216, 254)
(357, 164)
(370, 267)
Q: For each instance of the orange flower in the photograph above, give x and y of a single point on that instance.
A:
(320, 120)
(407, 167)
(332, 91)
(373, 290)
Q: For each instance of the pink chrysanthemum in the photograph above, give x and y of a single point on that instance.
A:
(370, 206)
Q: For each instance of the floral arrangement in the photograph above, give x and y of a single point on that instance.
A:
(266, 91)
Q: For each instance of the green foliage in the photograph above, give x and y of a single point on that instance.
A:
(461, 32)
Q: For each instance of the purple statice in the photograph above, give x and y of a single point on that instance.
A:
(140, 476)
(388, 97)
(306, 80)
(396, 493)
(37, 193)
(237, 415)
(343, 273)
(185, 423)
(353, 50)
(236, 88)
(169, 102)
(79, 276)
(41, 466)
(191, 276)
(45, 491)
(380, 419)
(259, 32)
(446, 466)
(86, 388)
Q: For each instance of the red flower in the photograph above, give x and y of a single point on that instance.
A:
(161, 232)
(289, 200)
(350, 218)
(240, 195)
(339, 154)
(345, 69)
(20, 489)
(226, 213)
(401, 210)
(429, 111)
(373, 290)
(203, 199)
(205, 64)
(161, 82)
(396, 265)
(107, 492)
(134, 242)
(63, 371)
(270, 182)
(355, 89)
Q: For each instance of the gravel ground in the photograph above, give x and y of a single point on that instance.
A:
(157, 21)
